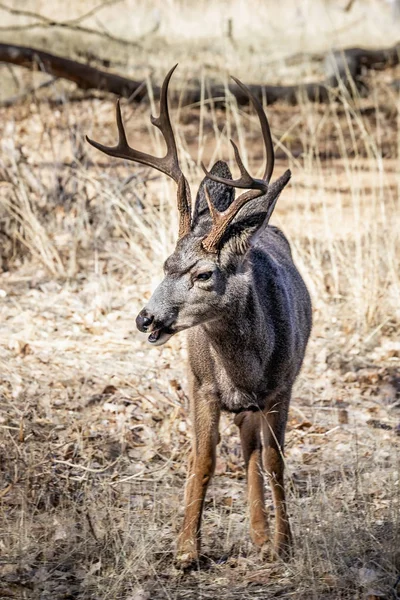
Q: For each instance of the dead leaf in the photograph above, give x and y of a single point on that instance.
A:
(109, 389)
(228, 501)
(379, 425)
(303, 425)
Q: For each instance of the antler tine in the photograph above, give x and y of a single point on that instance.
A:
(122, 149)
(221, 220)
(256, 187)
(266, 132)
(246, 181)
(163, 123)
(168, 164)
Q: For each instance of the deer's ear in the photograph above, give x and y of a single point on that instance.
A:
(252, 219)
(238, 237)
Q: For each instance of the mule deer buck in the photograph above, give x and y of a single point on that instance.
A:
(232, 283)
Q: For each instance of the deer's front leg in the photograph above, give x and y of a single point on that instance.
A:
(205, 415)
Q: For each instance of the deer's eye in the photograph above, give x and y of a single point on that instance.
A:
(204, 276)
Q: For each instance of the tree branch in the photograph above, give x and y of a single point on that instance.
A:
(43, 22)
(84, 76)
(340, 67)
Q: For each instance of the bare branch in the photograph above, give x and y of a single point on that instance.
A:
(43, 22)
(34, 15)
(85, 76)
(20, 97)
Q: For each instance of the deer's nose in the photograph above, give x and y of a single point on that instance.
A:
(144, 320)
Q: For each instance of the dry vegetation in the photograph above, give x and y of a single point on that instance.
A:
(94, 432)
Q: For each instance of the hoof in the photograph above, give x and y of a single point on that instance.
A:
(267, 553)
(283, 550)
(260, 538)
(278, 551)
(186, 560)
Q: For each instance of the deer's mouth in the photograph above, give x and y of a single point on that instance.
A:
(159, 336)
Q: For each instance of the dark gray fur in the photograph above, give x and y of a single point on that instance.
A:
(249, 325)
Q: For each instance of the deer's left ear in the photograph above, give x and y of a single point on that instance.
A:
(252, 219)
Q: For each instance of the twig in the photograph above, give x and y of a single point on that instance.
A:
(91, 528)
(32, 90)
(348, 6)
(79, 28)
(44, 22)
(139, 476)
(87, 469)
(75, 20)
(5, 491)
(93, 11)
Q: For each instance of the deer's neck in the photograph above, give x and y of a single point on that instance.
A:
(243, 339)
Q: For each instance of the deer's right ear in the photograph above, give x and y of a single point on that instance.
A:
(252, 219)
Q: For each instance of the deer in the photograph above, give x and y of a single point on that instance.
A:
(232, 284)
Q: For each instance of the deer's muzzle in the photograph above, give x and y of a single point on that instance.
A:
(160, 332)
(144, 320)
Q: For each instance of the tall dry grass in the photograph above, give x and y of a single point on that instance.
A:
(341, 211)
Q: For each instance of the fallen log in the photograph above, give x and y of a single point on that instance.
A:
(87, 77)
(84, 76)
(349, 64)
(314, 92)
(344, 66)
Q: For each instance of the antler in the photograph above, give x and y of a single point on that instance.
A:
(169, 164)
(256, 187)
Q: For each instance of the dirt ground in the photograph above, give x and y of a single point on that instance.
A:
(94, 430)
(95, 438)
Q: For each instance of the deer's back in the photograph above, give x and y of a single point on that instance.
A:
(284, 298)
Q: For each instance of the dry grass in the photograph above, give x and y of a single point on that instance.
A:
(94, 433)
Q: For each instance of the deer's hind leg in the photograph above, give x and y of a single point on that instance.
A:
(249, 424)
(273, 426)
